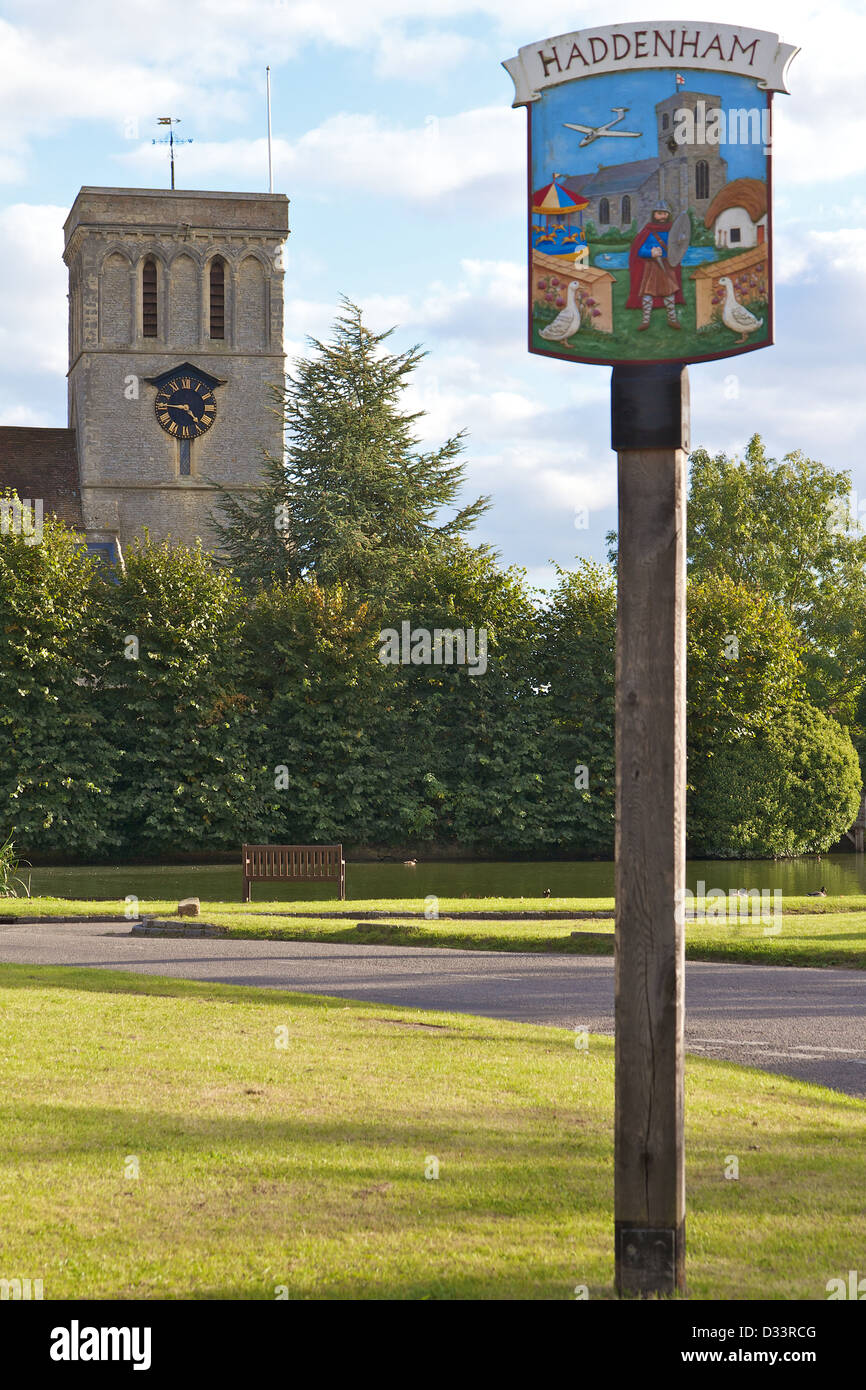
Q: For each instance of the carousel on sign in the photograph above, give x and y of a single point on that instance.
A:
(559, 230)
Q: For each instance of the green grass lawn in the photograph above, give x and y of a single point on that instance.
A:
(812, 931)
(303, 1167)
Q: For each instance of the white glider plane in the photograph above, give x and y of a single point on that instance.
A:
(595, 132)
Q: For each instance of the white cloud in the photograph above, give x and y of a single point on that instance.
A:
(422, 56)
(808, 147)
(844, 248)
(49, 82)
(307, 318)
(473, 153)
(806, 254)
(484, 303)
(33, 329)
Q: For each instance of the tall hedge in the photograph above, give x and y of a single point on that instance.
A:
(58, 761)
(185, 731)
(162, 710)
(576, 670)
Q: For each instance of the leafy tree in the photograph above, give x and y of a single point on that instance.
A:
(791, 787)
(57, 766)
(744, 661)
(769, 774)
(355, 502)
(780, 527)
(700, 234)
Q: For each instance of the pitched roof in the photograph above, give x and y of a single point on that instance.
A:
(616, 178)
(750, 194)
(42, 463)
(574, 182)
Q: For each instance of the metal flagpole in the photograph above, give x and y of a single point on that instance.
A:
(270, 162)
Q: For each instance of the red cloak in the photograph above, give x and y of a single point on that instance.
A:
(636, 265)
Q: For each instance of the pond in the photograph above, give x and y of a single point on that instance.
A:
(616, 260)
(838, 873)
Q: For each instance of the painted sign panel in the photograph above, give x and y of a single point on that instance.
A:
(649, 191)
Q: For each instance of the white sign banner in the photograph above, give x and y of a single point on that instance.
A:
(613, 48)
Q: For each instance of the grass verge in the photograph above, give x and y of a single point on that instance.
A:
(549, 909)
(818, 936)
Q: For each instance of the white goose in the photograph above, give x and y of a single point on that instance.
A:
(734, 315)
(567, 321)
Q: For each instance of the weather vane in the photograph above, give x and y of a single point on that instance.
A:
(170, 121)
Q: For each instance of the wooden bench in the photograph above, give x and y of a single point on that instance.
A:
(293, 863)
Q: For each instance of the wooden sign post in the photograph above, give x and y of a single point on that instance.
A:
(650, 419)
(649, 228)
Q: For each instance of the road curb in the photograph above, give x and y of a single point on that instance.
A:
(153, 926)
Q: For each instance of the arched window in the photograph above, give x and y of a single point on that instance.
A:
(626, 209)
(664, 120)
(217, 298)
(702, 179)
(148, 298)
(604, 212)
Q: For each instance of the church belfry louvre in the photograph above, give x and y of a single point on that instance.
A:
(175, 335)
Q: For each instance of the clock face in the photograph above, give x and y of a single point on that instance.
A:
(185, 406)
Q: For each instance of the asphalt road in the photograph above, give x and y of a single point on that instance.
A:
(805, 1023)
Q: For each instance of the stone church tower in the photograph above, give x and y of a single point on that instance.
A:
(175, 335)
(690, 174)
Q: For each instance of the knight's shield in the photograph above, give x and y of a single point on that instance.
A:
(679, 238)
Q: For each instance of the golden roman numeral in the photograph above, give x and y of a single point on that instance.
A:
(172, 429)
(186, 383)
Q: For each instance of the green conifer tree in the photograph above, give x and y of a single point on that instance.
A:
(355, 501)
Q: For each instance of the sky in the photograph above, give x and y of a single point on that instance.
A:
(404, 163)
(556, 148)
